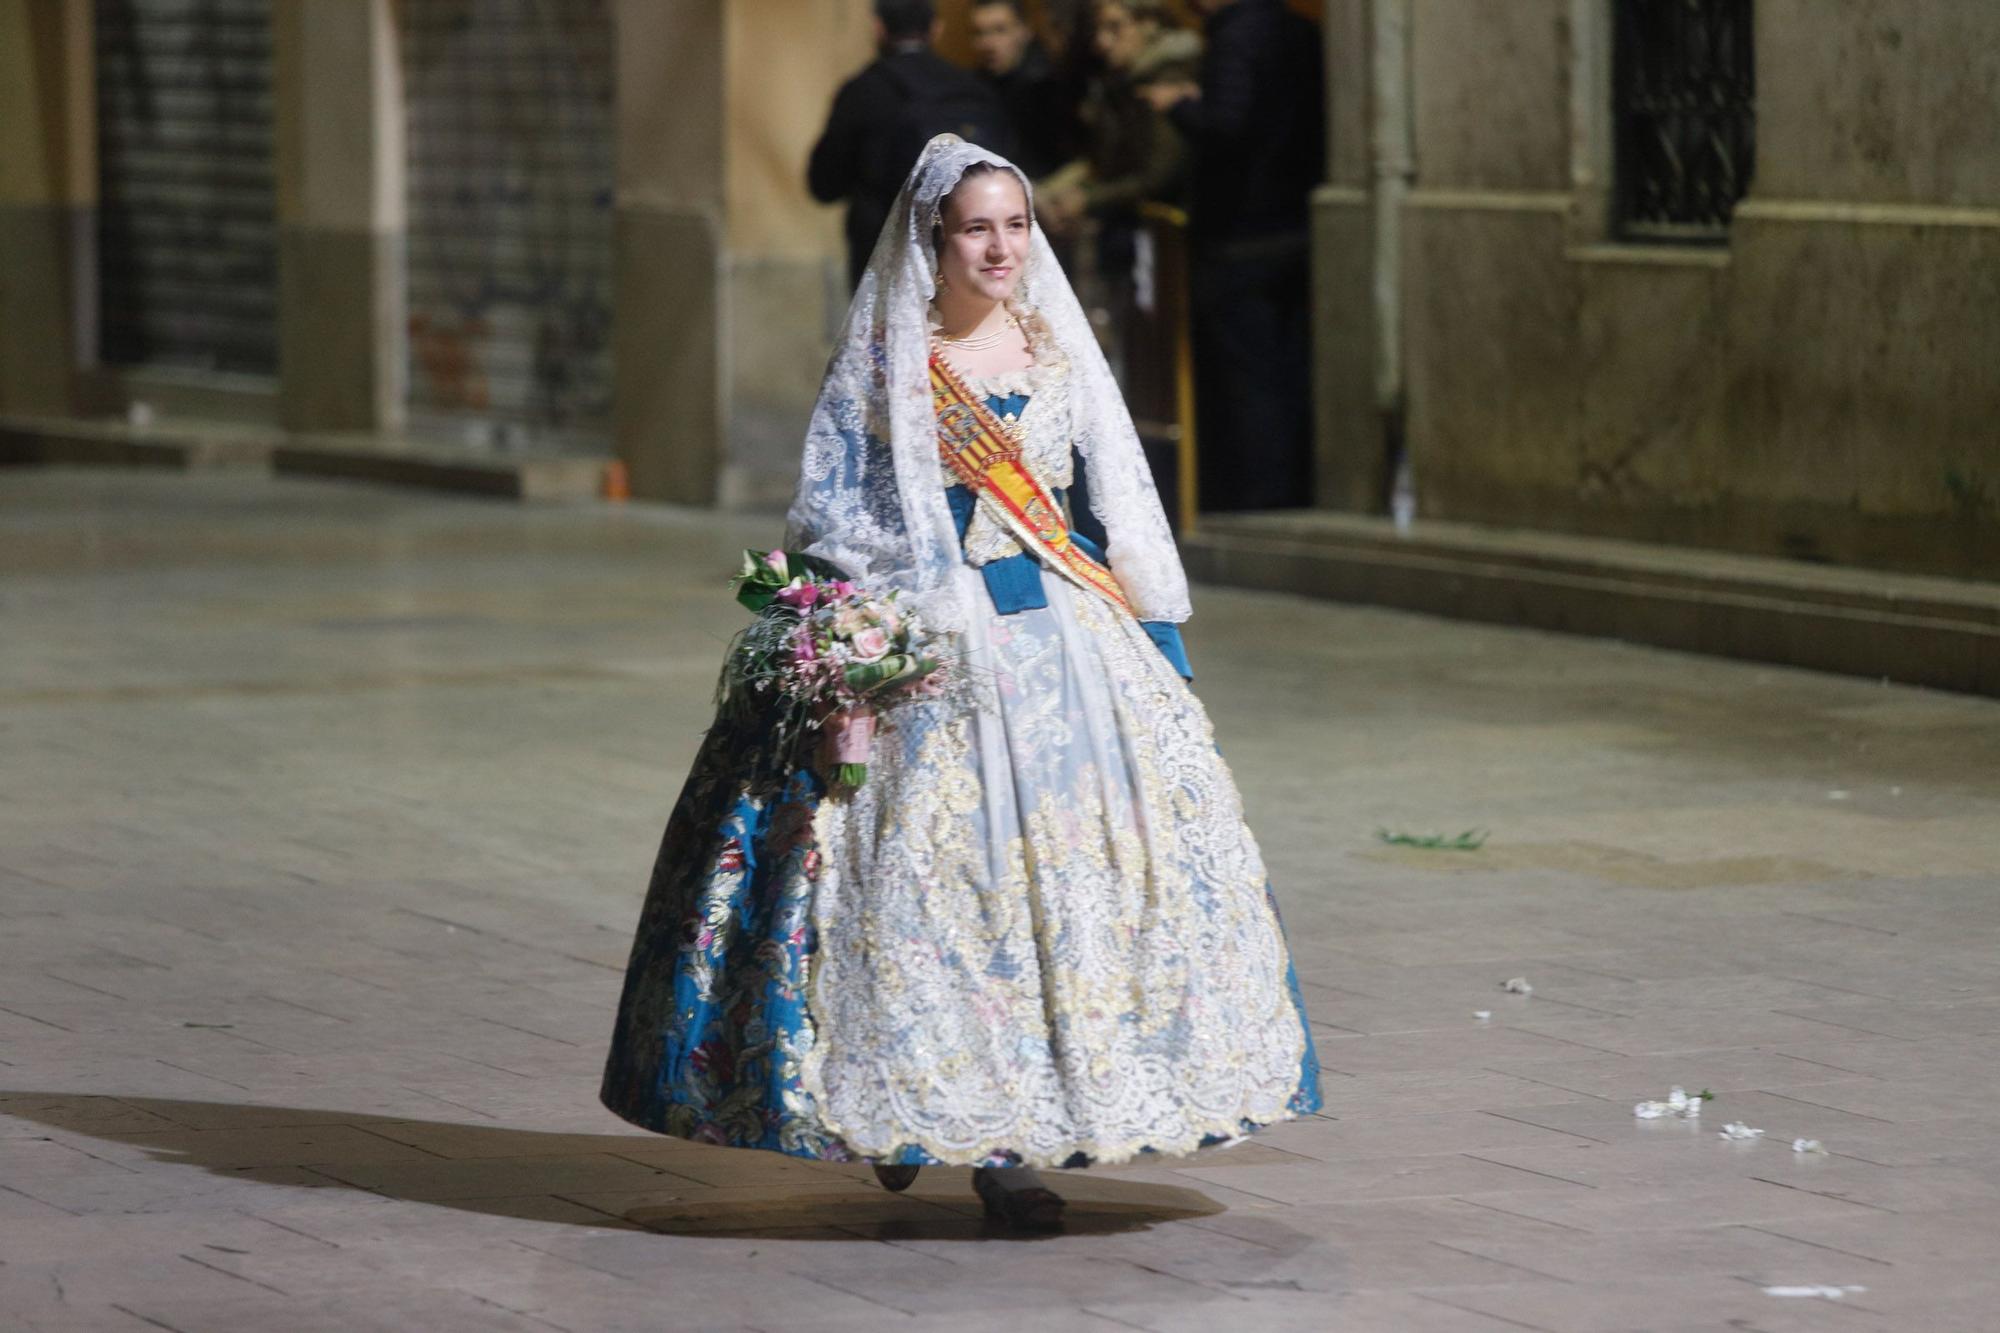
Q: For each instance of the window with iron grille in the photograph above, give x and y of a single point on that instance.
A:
(1684, 89)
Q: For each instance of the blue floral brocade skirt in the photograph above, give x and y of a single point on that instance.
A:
(715, 1021)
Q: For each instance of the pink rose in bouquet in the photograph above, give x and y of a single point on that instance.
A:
(870, 644)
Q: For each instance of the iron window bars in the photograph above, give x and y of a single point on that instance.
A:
(1684, 107)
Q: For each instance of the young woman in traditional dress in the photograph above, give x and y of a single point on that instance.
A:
(1039, 934)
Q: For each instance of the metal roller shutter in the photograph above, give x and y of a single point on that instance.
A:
(510, 222)
(187, 246)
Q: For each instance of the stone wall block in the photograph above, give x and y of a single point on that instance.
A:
(340, 294)
(1654, 358)
(1351, 461)
(1863, 386)
(1890, 101)
(1491, 329)
(668, 414)
(1491, 85)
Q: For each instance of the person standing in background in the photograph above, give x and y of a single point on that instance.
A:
(1255, 127)
(1132, 156)
(883, 116)
(1037, 102)
(1131, 152)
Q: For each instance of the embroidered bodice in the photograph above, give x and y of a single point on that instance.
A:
(1042, 425)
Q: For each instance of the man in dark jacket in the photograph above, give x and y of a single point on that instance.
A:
(1256, 129)
(1040, 104)
(883, 116)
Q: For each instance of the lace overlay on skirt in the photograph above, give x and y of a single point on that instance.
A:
(1074, 954)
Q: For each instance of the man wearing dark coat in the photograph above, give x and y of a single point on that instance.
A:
(1040, 104)
(1255, 127)
(883, 116)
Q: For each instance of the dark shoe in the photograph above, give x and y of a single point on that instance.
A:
(896, 1178)
(1022, 1209)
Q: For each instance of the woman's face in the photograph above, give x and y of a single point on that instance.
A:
(1121, 39)
(986, 227)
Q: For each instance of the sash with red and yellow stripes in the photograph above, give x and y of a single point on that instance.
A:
(986, 458)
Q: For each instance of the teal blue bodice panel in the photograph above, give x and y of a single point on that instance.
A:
(1015, 582)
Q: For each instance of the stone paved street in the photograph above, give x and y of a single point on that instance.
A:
(326, 812)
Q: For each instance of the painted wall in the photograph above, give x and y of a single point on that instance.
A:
(341, 163)
(786, 283)
(48, 195)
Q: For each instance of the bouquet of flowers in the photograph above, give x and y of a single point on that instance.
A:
(820, 657)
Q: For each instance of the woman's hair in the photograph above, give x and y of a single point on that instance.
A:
(1143, 11)
(977, 169)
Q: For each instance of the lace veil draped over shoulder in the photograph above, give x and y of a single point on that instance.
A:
(870, 498)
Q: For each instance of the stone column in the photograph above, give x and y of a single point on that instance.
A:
(340, 165)
(48, 202)
(1357, 385)
(669, 410)
(728, 275)
(786, 283)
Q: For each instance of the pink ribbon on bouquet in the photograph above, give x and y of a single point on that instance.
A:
(851, 734)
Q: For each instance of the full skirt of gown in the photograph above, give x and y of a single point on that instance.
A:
(1040, 933)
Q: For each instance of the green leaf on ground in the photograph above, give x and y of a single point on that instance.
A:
(1469, 841)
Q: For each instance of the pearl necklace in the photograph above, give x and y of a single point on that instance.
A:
(980, 342)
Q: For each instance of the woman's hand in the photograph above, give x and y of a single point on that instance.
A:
(1168, 94)
(1060, 208)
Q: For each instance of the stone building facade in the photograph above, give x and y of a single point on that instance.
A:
(1822, 381)
(632, 261)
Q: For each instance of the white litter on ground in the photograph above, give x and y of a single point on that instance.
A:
(1517, 986)
(1822, 1292)
(1740, 1132)
(1482, 1014)
(1679, 1102)
(1808, 1146)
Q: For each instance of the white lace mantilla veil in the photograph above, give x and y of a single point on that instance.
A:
(871, 497)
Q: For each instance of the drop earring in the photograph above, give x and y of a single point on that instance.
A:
(937, 278)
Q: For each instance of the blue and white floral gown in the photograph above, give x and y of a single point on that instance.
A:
(1067, 956)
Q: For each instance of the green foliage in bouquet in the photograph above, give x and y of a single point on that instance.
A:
(820, 650)
(764, 574)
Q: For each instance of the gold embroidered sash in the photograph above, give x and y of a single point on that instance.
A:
(986, 459)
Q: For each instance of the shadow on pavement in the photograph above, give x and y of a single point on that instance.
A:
(618, 1181)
